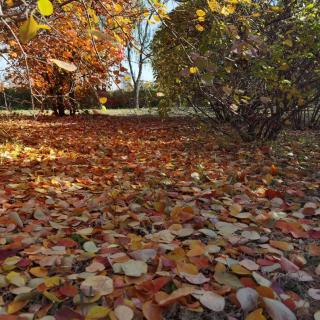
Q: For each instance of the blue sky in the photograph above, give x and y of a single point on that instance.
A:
(147, 74)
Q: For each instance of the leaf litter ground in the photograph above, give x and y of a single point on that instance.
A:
(132, 218)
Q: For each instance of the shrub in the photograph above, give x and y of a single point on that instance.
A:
(253, 64)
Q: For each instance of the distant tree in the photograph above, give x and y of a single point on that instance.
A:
(139, 51)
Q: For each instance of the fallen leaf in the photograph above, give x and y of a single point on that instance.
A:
(250, 235)
(287, 265)
(123, 312)
(261, 280)
(16, 218)
(210, 300)
(93, 285)
(249, 264)
(277, 310)
(238, 269)
(132, 268)
(314, 293)
(256, 315)
(282, 245)
(144, 254)
(175, 295)
(228, 279)
(197, 279)
(90, 247)
(16, 278)
(301, 276)
(248, 299)
(97, 312)
(16, 306)
(151, 311)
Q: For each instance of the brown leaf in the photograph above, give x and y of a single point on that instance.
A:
(151, 311)
(175, 295)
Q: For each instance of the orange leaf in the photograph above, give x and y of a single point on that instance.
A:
(282, 245)
(188, 268)
(179, 293)
(314, 250)
(238, 269)
(197, 249)
(39, 272)
(151, 311)
(265, 292)
(182, 214)
(256, 315)
(16, 306)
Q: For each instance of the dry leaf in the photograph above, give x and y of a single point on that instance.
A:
(210, 300)
(93, 285)
(123, 312)
(256, 315)
(277, 310)
(175, 295)
(248, 299)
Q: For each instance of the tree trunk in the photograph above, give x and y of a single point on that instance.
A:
(60, 107)
(136, 91)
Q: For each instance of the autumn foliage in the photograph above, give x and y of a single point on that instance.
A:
(76, 47)
(135, 217)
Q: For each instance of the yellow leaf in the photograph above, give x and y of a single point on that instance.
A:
(97, 312)
(10, 263)
(28, 30)
(43, 26)
(282, 245)
(45, 7)
(214, 5)
(235, 209)
(200, 13)
(16, 278)
(51, 282)
(199, 27)
(118, 7)
(288, 43)
(256, 315)
(38, 272)
(103, 100)
(229, 9)
(238, 269)
(193, 70)
(51, 296)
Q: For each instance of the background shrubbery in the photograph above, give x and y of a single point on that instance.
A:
(19, 99)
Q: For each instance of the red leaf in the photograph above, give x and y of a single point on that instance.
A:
(68, 290)
(68, 314)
